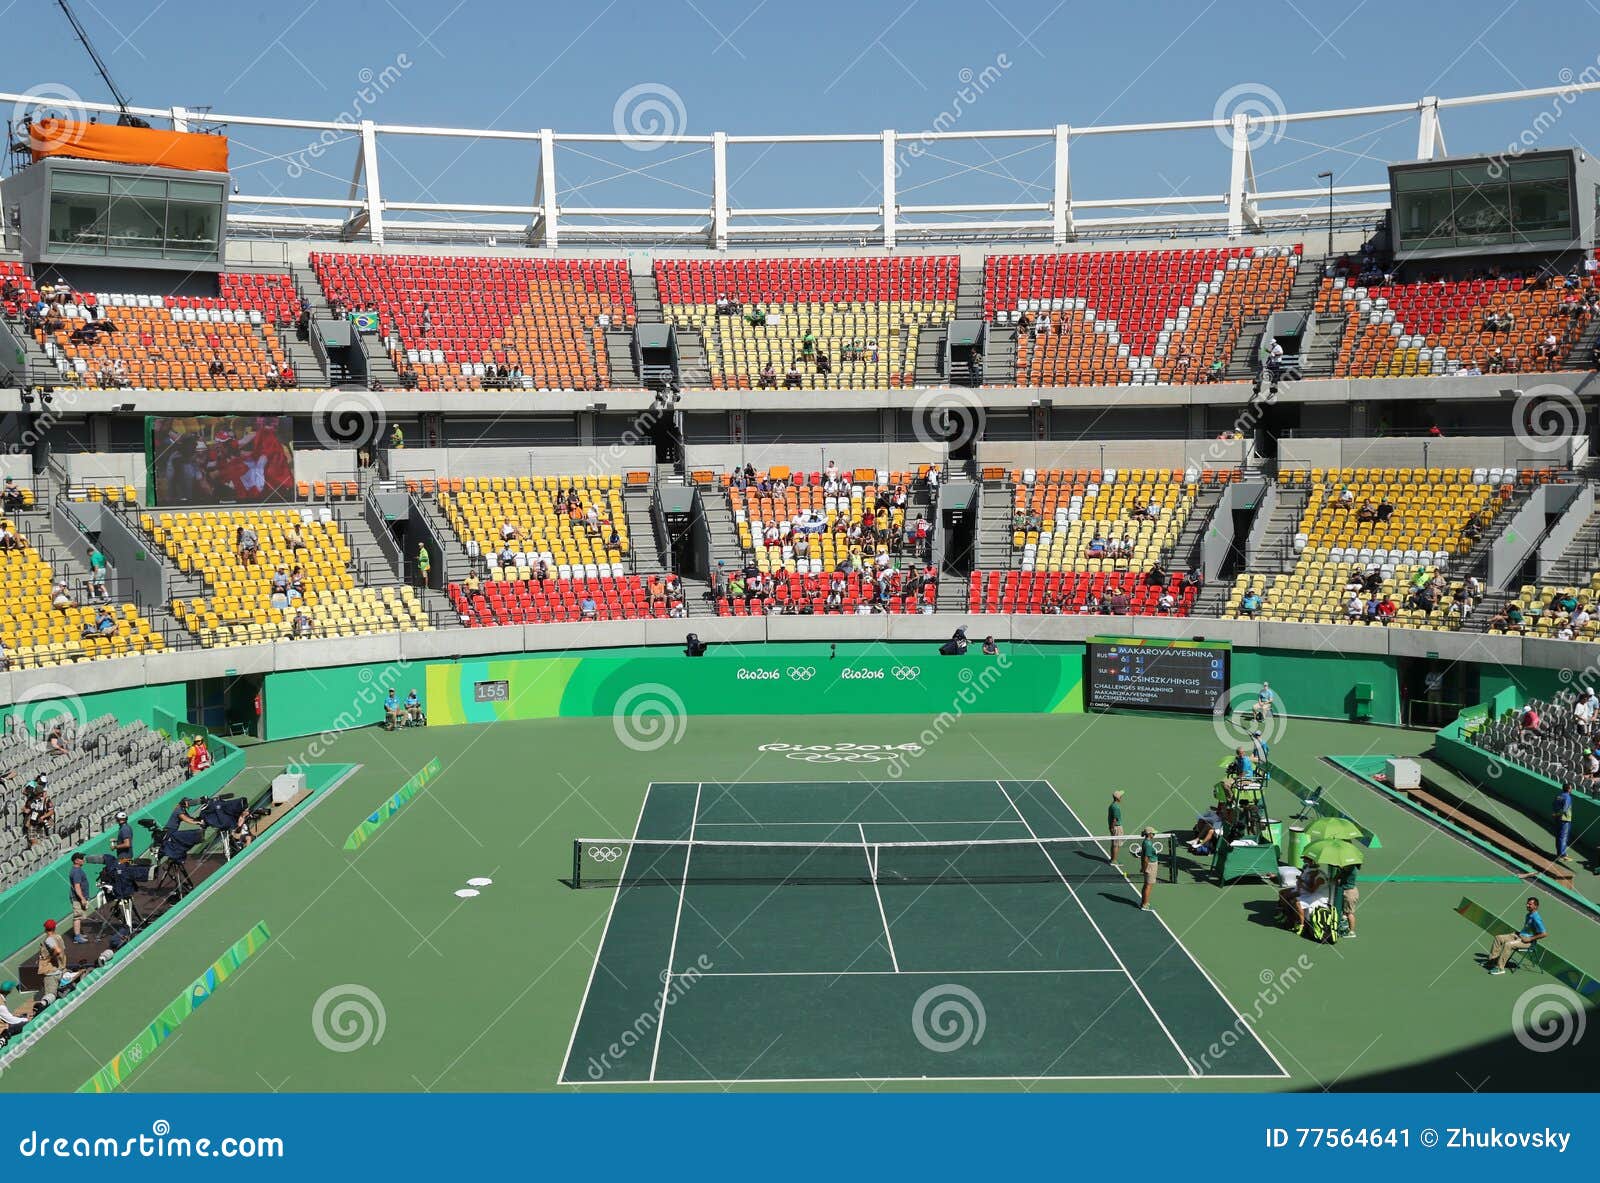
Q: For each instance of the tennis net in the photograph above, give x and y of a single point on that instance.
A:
(640, 862)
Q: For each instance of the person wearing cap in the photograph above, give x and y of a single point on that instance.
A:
(12, 1020)
(1114, 823)
(1147, 866)
(78, 892)
(52, 961)
(1258, 747)
(1264, 701)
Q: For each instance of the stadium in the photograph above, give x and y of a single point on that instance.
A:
(456, 630)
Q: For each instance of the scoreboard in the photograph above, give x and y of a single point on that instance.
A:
(1159, 675)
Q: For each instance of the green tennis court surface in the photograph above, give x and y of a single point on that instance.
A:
(1041, 969)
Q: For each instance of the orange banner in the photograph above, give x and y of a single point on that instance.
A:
(128, 145)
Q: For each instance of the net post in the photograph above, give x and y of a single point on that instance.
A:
(577, 862)
(1172, 858)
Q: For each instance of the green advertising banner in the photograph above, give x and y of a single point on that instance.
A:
(773, 680)
(393, 805)
(124, 1063)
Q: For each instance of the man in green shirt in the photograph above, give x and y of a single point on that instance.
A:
(97, 573)
(808, 344)
(424, 564)
(1114, 823)
(1347, 899)
(397, 438)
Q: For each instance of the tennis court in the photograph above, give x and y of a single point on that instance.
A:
(995, 947)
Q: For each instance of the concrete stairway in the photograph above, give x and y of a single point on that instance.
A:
(1195, 526)
(1582, 556)
(646, 296)
(1000, 356)
(723, 530)
(646, 549)
(969, 294)
(694, 365)
(1277, 553)
(992, 545)
(619, 358)
(930, 357)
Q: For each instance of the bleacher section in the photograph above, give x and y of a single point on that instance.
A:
(109, 767)
(239, 609)
(1075, 507)
(1546, 611)
(1556, 750)
(1071, 593)
(36, 633)
(865, 315)
(1431, 510)
(810, 519)
(520, 598)
(449, 317)
(807, 594)
(1408, 329)
(1132, 317)
(170, 342)
(480, 510)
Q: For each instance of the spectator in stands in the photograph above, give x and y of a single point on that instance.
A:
(105, 624)
(286, 377)
(1368, 512)
(1529, 719)
(1508, 620)
(1192, 580)
(823, 362)
(247, 543)
(61, 597)
(768, 379)
(1355, 609)
(1120, 602)
(11, 497)
(1166, 602)
(280, 581)
(1347, 497)
(791, 378)
(1250, 604)
(655, 592)
(272, 376)
(1097, 547)
(1496, 362)
(52, 962)
(9, 538)
(1505, 944)
(427, 320)
(586, 607)
(424, 564)
(1387, 610)
(1153, 510)
(1157, 575)
(1384, 510)
(397, 437)
(408, 378)
(1579, 618)
(757, 316)
(97, 573)
(301, 627)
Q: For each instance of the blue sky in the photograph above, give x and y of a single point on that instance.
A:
(748, 66)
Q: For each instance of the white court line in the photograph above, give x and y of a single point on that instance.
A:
(872, 873)
(878, 973)
(998, 821)
(600, 949)
(715, 1082)
(1110, 948)
(1228, 1002)
(672, 950)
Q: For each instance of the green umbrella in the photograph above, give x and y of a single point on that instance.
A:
(1336, 852)
(1334, 827)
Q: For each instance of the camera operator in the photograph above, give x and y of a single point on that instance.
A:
(122, 844)
(179, 817)
(78, 893)
(38, 812)
(117, 884)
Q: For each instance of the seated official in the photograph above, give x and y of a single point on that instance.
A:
(413, 706)
(1207, 833)
(1526, 937)
(391, 711)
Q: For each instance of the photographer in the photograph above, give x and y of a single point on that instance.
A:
(12, 1022)
(180, 816)
(38, 812)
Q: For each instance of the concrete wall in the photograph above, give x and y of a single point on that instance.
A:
(477, 462)
(188, 665)
(1564, 531)
(1416, 452)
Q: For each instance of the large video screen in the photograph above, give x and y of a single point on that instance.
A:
(1159, 675)
(220, 459)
